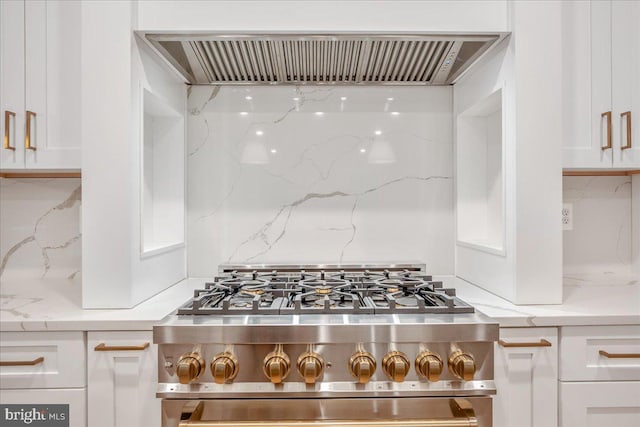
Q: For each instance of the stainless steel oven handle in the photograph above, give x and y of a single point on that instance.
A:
(464, 416)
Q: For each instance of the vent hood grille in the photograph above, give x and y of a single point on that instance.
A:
(321, 59)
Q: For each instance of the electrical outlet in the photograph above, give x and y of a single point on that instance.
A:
(567, 216)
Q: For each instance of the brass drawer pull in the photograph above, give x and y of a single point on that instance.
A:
(103, 347)
(609, 137)
(619, 355)
(627, 114)
(27, 138)
(541, 343)
(33, 362)
(7, 130)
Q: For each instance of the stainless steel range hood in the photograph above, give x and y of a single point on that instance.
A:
(321, 58)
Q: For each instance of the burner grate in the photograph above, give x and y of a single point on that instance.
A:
(368, 291)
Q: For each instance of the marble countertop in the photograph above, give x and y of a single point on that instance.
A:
(50, 304)
(587, 300)
(56, 305)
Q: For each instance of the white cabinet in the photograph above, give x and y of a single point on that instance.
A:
(600, 376)
(600, 404)
(122, 378)
(40, 84)
(601, 87)
(594, 353)
(43, 368)
(42, 360)
(526, 372)
(74, 397)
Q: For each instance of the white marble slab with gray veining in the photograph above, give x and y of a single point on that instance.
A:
(40, 222)
(320, 174)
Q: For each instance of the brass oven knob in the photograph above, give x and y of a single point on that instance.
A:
(190, 367)
(462, 365)
(429, 365)
(310, 366)
(362, 365)
(396, 365)
(224, 367)
(276, 366)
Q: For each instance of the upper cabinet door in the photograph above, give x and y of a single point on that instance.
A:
(12, 84)
(587, 84)
(601, 116)
(52, 92)
(601, 84)
(626, 82)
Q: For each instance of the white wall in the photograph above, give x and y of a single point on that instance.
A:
(530, 269)
(40, 228)
(600, 244)
(314, 15)
(116, 68)
(321, 196)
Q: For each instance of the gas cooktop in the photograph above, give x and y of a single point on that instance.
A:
(324, 332)
(323, 289)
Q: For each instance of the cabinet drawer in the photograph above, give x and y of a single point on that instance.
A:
(76, 398)
(42, 360)
(600, 353)
(600, 404)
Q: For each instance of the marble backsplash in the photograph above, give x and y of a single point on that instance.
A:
(320, 174)
(40, 228)
(600, 244)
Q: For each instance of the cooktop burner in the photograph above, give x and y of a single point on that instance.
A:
(324, 290)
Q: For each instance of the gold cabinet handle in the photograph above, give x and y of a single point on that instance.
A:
(33, 362)
(27, 136)
(627, 114)
(7, 126)
(541, 343)
(609, 137)
(103, 347)
(619, 355)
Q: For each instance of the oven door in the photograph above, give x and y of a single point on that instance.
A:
(360, 412)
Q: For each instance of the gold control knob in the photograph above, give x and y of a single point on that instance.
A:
(310, 366)
(429, 365)
(462, 365)
(190, 367)
(396, 365)
(276, 366)
(362, 365)
(224, 367)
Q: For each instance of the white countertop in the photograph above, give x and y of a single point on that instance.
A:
(39, 305)
(55, 305)
(587, 300)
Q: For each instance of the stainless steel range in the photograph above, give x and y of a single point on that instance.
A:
(322, 345)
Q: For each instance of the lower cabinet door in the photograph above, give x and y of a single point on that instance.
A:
(600, 404)
(74, 397)
(526, 377)
(122, 377)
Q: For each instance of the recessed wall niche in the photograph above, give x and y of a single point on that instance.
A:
(162, 176)
(480, 175)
